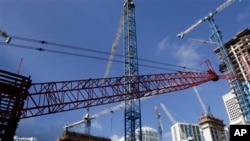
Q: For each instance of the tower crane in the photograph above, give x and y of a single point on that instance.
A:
(186, 137)
(160, 126)
(200, 100)
(235, 84)
(171, 118)
(87, 118)
(114, 46)
(132, 114)
(6, 36)
(206, 18)
(204, 41)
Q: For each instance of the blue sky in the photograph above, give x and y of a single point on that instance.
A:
(92, 24)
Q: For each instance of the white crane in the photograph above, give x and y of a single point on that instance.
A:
(87, 118)
(160, 126)
(184, 137)
(114, 47)
(210, 15)
(200, 100)
(171, 118)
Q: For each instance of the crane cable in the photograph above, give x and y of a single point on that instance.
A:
(88, 50)
(95, 51)
(80, 55)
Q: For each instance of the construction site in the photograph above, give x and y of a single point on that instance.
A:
(21, 98)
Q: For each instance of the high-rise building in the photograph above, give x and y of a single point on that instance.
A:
(238, 49)
(148, 134)
(233, 109)
(186, 132)
(213, 129)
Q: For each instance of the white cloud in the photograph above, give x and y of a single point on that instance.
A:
(116, 138)
(244, 15)
(187, 55)
(163, 44)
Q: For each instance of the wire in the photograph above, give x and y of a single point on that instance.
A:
(79, 55)
(95, 51)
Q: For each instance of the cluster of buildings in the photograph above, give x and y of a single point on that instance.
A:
(209, 127)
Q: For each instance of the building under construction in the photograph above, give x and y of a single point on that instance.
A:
(74, 136)
(213, 128)
(13, 92)
(238, 49)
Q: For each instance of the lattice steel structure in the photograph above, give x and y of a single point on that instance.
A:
(235, 84)
(132, 113)
(13, 92)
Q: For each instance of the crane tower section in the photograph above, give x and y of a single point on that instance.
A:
(132, 115)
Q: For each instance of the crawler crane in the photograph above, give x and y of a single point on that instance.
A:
(22, 99)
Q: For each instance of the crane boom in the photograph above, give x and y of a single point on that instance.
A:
(200, 100)
(53, 97)
(210, 15)
(114, 47)
(164, 108)
(104, 112)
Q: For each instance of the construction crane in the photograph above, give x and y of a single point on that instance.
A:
(132, 114)
(87, 118)
(160, 126)
(169, 115)
(114, 46)
(206, 18)
(200, 100)
(204, 41)
(38, 99)
(226, 66)
(6, 36)
(185, 137)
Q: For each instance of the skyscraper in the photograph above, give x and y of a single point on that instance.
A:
(233, 109)
(238, 49)
(213, 129)
(148, 134)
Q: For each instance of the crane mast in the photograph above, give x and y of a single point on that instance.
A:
(132, 115)
(160, 126)
(235, 84)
